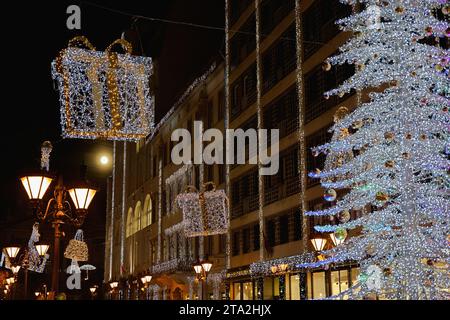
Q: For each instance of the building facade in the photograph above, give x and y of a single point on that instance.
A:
(272, 77)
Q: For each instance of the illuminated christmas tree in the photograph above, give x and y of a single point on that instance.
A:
(391, 154)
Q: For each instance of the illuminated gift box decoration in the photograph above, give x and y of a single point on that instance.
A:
(204, 213)
(104, 95)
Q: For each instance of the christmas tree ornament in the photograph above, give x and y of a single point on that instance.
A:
(399, 10)
(389, 164)
(389, 136)
(381, 196)
(344, 216)
(104, 94)
(326, 66)
(330, 195)
(340, 234)
(406, 155)
(357, 124)
(408, 136)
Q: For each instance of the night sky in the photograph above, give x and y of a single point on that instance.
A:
(31, 103)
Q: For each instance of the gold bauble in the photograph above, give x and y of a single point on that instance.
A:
(408, 136)
(341, 94)
(389, 136)
(344, 216)
(326, 66)
(389, 164)
(446, 9)
(439, 68)
(357, 124)
(429, 30)
(344, 133)
(340, 114)
(423, 137)
(381, 196)
(406, 155)
(360, 67)
(399, 10)
(445, 109)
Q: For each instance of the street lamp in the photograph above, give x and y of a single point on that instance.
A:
(335, 240)
(201, 270)
(319, 243)
(58, 210)
(146, 280)
(12, 252)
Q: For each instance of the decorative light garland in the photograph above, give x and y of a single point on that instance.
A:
(104, 94)
(259, 124)
(113, 208)
(160, 180)
(46, 149)
(301, 123)
(227, 125)
(122, 220)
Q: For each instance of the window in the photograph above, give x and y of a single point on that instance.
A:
(317, 82)
(146, 218)
(241, 44)
(294, 287)
(318, 285)
(237, 291)
(279, 60)
(256, 237)
(237, 8)
(339, 281)
(240, 99)
(273, 12)
(137, 217)
(236, 243)
(271, 232)
(222, 243)
(312, 163)
(282, 114)
(130, 219)
(319, 24)
(247, 291)
(284, 229)
(246, 240)
(297, 219)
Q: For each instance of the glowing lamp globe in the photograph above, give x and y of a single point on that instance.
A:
(198, 268)
(12, 251)
(42, 249)
(36, 186)
(319, 243)
(148, 278)
(82, 197)
(207, 266)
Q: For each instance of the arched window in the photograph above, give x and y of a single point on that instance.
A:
(129, 227)
(137, 217)
(146, 217)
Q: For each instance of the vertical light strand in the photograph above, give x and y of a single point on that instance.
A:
(201, 240)
(259, 121)
(301, 124)
(113, 207)
(122, 220)
(160, 181)
(227, 126)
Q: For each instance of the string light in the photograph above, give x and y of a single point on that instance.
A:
(104, 94)
(301, 124)
(227, 124)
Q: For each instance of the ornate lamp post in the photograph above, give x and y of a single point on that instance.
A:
(146, 281)
(202, 269)
(58, 210)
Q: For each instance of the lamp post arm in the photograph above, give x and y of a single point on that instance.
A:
(43, 216)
